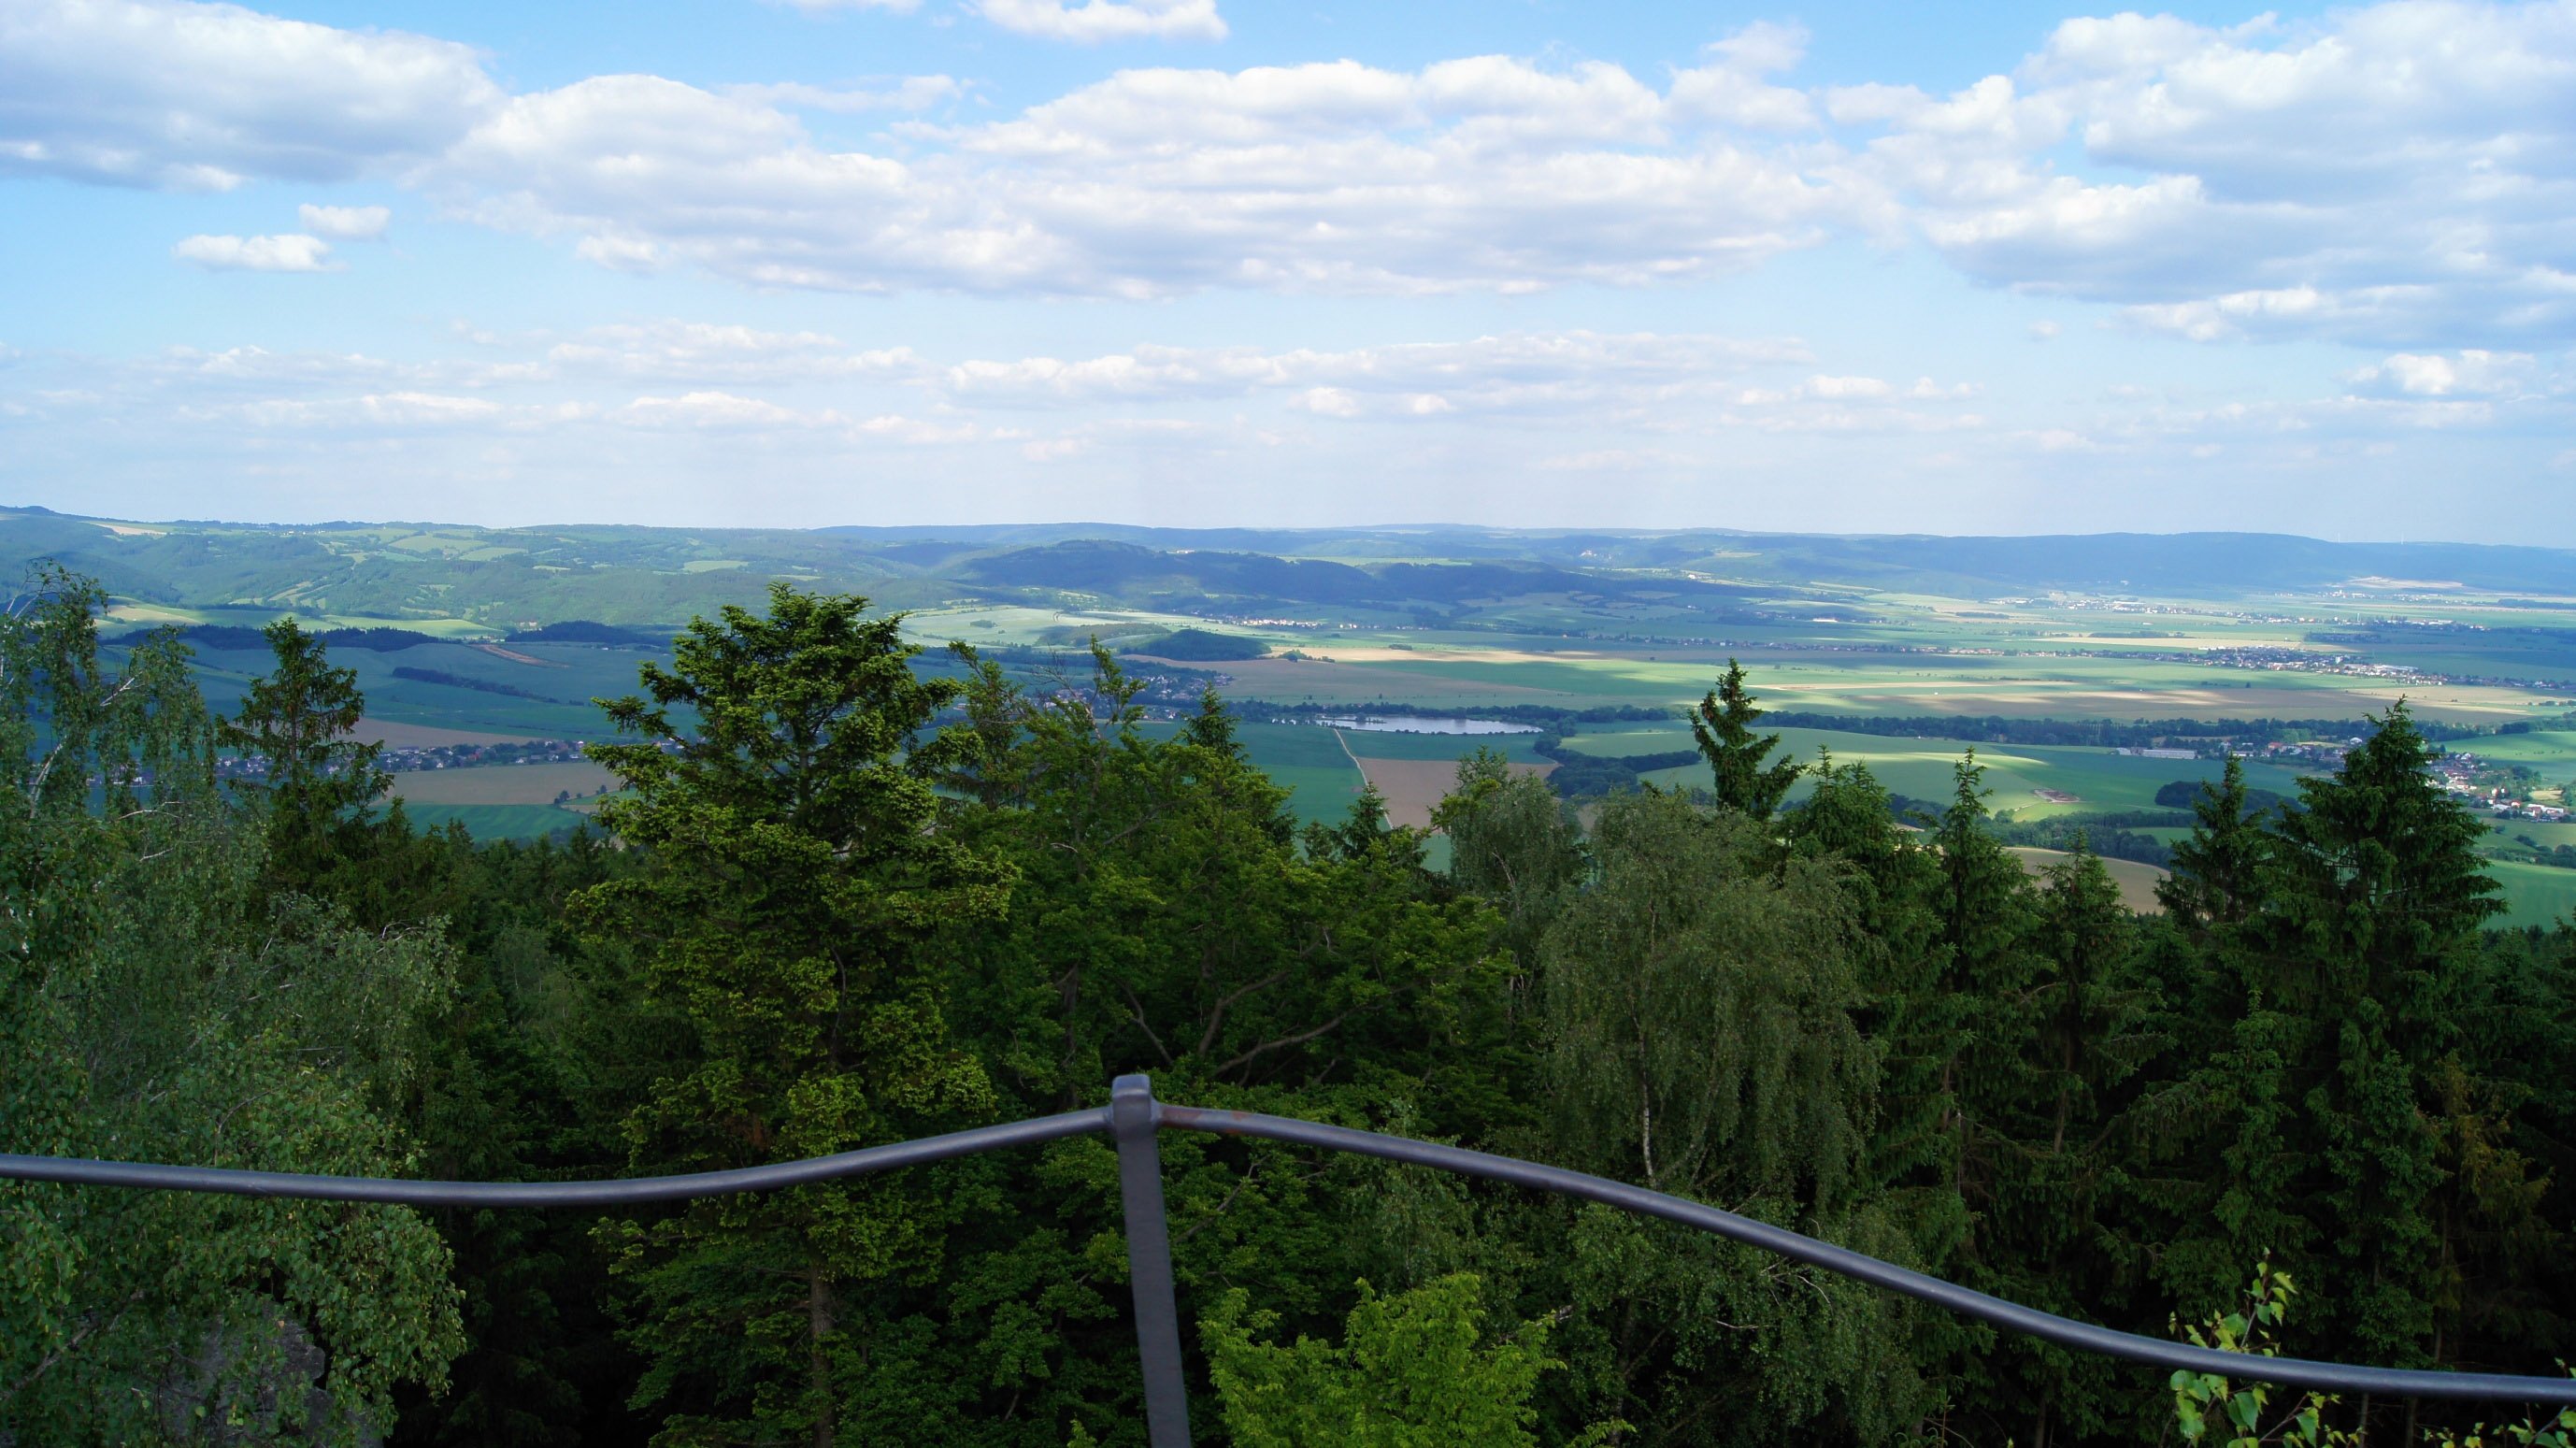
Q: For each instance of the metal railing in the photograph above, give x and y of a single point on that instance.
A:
(1132, 1120)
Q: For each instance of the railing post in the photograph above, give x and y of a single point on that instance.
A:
(1133, 1117)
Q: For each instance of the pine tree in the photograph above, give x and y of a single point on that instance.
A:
(1722, 725)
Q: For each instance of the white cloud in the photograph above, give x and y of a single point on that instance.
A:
(2044, 331)
(1523, 372)
(256, 368)
(722, 410)
(388, 412)
(345, 223)
(2470, 373)
(1730, 89)
(1482, 174)
(2397, 173)
(701, 351)
(185, 96)
(1327, 402)
(756, 417)
(1054, 449)
(908, 93)
(1094, 21)
(1612, 460)
(623, 253)
(288, 253)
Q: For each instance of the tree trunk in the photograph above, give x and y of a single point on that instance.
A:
(818, 1325)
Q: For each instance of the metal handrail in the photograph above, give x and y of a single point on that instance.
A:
(1133, 1118)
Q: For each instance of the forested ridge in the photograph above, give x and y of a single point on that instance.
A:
(840, 903)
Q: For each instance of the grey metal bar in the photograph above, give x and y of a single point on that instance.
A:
(1132, 1118)
(1134, 1115)
(1967, 1302)
(552, 1194)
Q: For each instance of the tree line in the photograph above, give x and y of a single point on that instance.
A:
(841, 901)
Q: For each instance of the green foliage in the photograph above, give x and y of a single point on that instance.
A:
(1512, 843)
(1722, 726)
(823, 925)
(1412, 1371)
(148, 1016)
(1702, 1008)
(296, 722)
(794, 883)
(2214, 883)
(2242, 1416)
(1192, 645)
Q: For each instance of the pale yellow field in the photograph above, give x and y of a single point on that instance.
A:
(502, 783)
(1413, 787)
(1293, 678)
(2137, 881)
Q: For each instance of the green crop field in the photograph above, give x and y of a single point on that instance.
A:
(2534, 894)
(497, 821)
(2098, 779)
(1310, 764)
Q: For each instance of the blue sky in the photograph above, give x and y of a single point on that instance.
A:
(1856, 268)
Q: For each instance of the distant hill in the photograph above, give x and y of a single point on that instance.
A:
(1198, 645)
(633, 583)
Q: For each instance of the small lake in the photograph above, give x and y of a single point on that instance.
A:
(1415, 724)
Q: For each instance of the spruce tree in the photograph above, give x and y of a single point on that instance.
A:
(1722, 725)
(793, 879)
(2373, 896)
(317, 779)
(2214, 879)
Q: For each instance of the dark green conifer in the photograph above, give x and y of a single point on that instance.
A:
(1722, 725)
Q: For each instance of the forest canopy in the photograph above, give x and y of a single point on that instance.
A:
(840, 901)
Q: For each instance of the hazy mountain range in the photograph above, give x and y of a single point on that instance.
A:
(629, 575)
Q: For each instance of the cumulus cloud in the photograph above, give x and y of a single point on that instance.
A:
(345, 223)
(2469, 373)
(1526, 371)
(2394, 173)
(387, 413)
(1730, 88)
(908, 93)
(184, 96)
(257, 368)
(722, 410)
(288, 253)
(1489, 173)
(1094, 21)
(702, 351)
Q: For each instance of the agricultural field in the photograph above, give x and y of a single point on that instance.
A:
(2115, 629)
(496, 821)
(537, 783)
(2137, 882)
(2075, 780)
(2534, 894)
